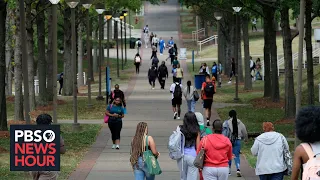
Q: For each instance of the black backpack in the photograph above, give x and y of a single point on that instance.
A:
(209, 89)
(177, 94)
(139, 44)
(171, 51)
(162, 70)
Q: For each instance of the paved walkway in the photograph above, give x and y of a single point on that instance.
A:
(144, 104)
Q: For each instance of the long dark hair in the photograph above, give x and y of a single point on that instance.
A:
(190, 129)
(233, 115)
(189, 84)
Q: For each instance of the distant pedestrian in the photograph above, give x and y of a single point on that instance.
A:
(162, 46)
(172, 53)
(252, 68)
(171, 42)
(176, 93)
(138, 44)
(208, 89)
(60, 79)
(175, 62)
(137, 62)
(115, 111)
(155, 41)
(155, 61)
(176, 50)
(214, 70)
(233, 70)
(204, 69)
(138, 146)
(179, 75)
(117, 93)
(151, 37)
(220, 69)
(174, 73)
(258, 70)
(152, 75)
(188, 93)
(270, 167)
(153, 52)
(162, 74)
(254, 24)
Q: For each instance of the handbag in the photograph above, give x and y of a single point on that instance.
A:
(150, 161)
(196, 95)
(198, 161)
(106, 117)
(287, 158)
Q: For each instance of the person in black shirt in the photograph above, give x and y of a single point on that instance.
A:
(152, 75)
(162, 74)
(233, 70)
(117, 93)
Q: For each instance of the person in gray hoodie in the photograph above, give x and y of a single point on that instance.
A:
(188, 93)
(269, 167)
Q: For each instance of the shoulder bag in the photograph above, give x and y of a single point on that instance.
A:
(150, 161)
(287, 158)
(195, 95)
(199, 161)
(106, 117)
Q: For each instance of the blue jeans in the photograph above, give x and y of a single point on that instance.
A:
(275, 176)
(191, 105)
(140, 172)
(236, 151)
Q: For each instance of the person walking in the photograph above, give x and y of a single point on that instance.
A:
(204, 69)
(138, 44)
(258, 70)
(188, 93)
(233, 70)
(307, 128)
(138, 145)
(179, 73)
(172, 53)
(175, 62)
(176, 50)
(218, 151)
(146, 35)
(60, 79)
(237, 132)
(252, 68)
(137, 62)
(220, 74)
(155, 41)
(151, 37)
(171, 42)
(174, 73)
(153, 52)
(115, 111)
(208, 89)
(162, 45)
(176, 93)
(254, 24)
(117, 93)
(152, 75)
(155, 61)
(270, 167)
(162, 74)
(191, 131)
(214, 70)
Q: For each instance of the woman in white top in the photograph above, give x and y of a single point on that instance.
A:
(188, 93)
(307, 130)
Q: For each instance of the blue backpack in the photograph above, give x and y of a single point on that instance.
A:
(214, 69)
(227, 132)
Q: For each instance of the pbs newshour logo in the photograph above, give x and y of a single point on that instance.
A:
(35, 148)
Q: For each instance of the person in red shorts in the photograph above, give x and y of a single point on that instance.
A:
(207, 91)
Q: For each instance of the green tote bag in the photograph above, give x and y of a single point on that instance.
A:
(151, 161)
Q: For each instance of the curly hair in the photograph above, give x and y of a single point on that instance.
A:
(137, 143)
(190, 129)
(44, 119)
(307, 124)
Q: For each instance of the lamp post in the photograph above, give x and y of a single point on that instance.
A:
(87, 4)
(218, 17)
(54, 58)
(237, 10)
(25, 61)
(108, 17)
(121, 29)
(100, 9)
(72, 4)
(125, 14)
(116, 19)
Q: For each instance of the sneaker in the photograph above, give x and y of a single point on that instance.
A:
(175, 115)
(238, 173)
(208, 123)
(152, 87)
(229, 82)
(178, 118)
(113, 146)
(229, 171)
(117, 147)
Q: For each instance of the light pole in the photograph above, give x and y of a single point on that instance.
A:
(108, 17)
(54, 59)
(72, 4)
(116, 19)
(100, 9)
(87, 4)
(24, 61)
(237, 10)
(218, 17)
(125, 14)
(121, 29)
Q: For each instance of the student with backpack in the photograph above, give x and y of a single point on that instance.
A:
(139, 44)
(117, 93)
(155, 61)
(176, 92)
(307, 154)
(270, 167)
(137, 62)
(162, 74)
(207, 91)
(236, 131)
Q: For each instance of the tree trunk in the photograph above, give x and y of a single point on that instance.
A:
(266, 51)
(80, 55)
(221, 46)
(68, 72)
(30, 44)
(240, 66)
(3, 106)
(42, 64)
(49, 81)
(290, 98)
(245, 36)
(274, 59)
(95, 52)
(18, 98)
(9, 50)
(90, 54)
(308, 40)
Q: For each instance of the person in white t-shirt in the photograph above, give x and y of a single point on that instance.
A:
(176, 93)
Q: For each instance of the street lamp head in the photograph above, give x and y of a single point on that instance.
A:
(121, 16)
(100, 8)
(237, 9)
(54, 1)
(86, 3)
(125, 12)
(218, 16)
(72, 3)
(116, 16)
(108, 15)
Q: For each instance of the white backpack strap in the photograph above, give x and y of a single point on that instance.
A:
(308, 150)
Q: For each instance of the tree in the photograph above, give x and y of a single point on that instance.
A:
(3, 107)
(80, 54)
(245, 31)
(49, 57)
(9, 48)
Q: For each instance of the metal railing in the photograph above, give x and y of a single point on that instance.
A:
(195, 34)
(211, 38)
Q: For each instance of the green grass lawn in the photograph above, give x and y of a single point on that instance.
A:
(77, 144)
